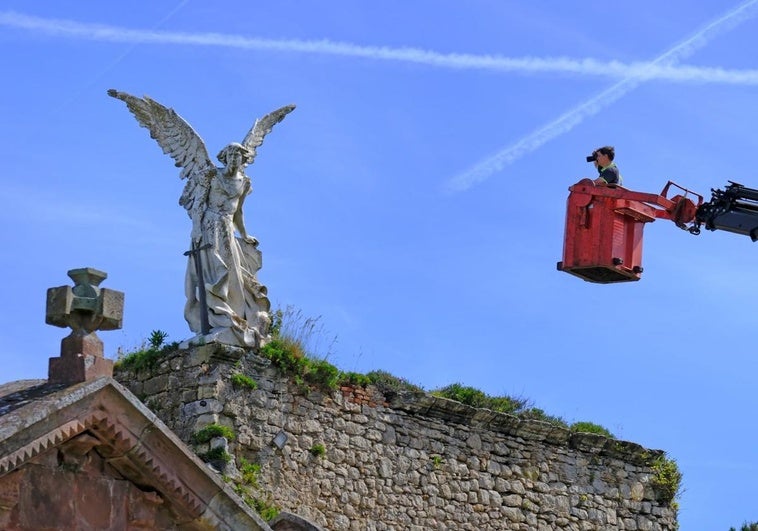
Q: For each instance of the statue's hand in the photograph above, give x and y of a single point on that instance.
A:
(250, 239)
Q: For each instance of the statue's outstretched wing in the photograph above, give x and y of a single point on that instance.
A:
(263, 126)
(174, 135)
(177, 139)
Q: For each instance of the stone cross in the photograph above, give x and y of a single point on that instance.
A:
(84, 308)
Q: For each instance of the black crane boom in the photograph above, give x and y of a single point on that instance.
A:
(734, 209)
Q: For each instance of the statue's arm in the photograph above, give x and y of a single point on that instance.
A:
(239, 217)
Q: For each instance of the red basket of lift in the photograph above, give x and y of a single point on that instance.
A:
(603, 237)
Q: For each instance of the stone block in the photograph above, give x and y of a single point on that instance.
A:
(94, 502)
(199, 355)
(78, 343)
(141, 508)
(75, 369)
(111, 308)
(58, 307)
(156, 385)
(46, 502)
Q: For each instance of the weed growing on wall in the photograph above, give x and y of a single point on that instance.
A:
(216, 454)
(210, 431)
(667, 480)
(520, 407)
(242, 381)
(296, 348)
(476, 398)
(591, 427)
(308, 333)
(388, 383)
(291, 358)
(250, 492)
(148, 355)
(317, 450)
(535, 413)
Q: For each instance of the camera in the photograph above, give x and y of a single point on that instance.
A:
(592, 157)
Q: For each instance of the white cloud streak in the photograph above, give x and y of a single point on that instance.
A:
(630, 75)
(573, 117)
(643, 71)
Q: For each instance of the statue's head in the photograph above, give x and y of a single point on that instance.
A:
(224, 155)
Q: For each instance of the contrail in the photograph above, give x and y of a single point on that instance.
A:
(630, 75)
(527, 65)
(570, 119)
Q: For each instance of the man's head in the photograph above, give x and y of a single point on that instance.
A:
(602, 156)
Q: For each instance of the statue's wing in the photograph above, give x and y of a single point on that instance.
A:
(177, 138)
(263, 126)
(174, 135)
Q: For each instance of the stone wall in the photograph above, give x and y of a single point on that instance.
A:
(398, 461)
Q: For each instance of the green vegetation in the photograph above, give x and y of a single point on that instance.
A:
(355, 379)
(476, 398)
(307, 332)
(265, 508)
(250, 472)
(242, 381)
(148, 355)
(289, 356)
(216, 454)
(746, 527)
(536, 413)
(323, 374)
(667, 479)
(515, 406)
(317, 450)
(210, 431)
(294, 348)
(388, 383)
(437, 461)
(297, 348)
(248, 489)
(590, 427)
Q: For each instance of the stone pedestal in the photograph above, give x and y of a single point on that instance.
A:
(81, 359)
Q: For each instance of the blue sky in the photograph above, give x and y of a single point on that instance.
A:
(415, 198)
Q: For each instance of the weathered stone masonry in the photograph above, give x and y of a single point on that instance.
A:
(403, 461)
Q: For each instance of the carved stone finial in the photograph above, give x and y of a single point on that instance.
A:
(84, 308)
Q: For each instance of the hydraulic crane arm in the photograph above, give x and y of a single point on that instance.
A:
(734, 209)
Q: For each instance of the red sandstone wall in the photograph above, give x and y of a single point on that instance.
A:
(44, 495)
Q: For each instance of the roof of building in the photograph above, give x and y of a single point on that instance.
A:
(36, 416)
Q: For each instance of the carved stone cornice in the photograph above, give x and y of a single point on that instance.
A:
(104, 417)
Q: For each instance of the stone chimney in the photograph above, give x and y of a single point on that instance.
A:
(84, 308)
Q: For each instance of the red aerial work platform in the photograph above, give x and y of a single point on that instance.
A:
(603, 236)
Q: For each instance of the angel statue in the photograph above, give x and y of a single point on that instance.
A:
(225, 301)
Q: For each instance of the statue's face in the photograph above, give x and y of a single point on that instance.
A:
(234, 159)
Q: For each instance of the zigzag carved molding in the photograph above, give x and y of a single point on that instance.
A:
(119, 439)
(41, 444)
(122, 441)
(170, 483)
